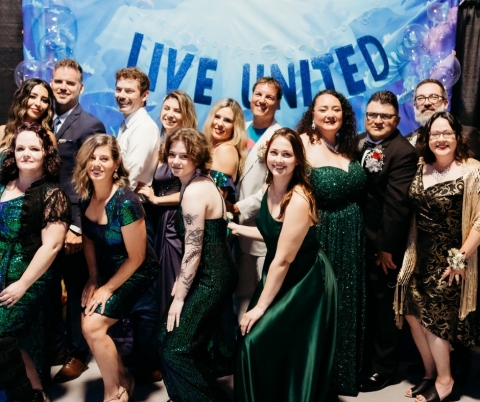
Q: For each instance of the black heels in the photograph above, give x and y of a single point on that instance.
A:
(420, 388)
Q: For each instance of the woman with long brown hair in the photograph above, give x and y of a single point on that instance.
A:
(289, 329)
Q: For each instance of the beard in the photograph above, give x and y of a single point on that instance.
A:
(423, 118)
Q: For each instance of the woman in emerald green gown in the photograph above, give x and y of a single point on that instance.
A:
(287, 343)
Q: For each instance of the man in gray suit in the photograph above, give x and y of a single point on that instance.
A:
(250, 255)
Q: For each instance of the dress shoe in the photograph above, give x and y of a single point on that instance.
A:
(146, 376)
(375, 382)
(59, 359)
(72, 369)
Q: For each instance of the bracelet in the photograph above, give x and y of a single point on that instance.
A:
(456, 260)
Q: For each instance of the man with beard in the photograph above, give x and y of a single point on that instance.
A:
(431, 96)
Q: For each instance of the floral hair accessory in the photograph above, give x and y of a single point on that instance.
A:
(261, 151)
(374, 160)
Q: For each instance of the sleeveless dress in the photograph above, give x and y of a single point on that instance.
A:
(168, 243)
(122, 209)
(439, 228)
(341, 235)
(25, 319)
(288, 354)
(188, 364)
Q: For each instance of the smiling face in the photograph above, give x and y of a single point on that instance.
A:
(128, 96)
(171, 115)
(101, 165)
(384, 123)
(264, 102)
(446, 142)
(37, 104)
(29, 153)
(281, 159)
(222, 125)
(179, 162)
(425, 108)
(327, 114)
(67, 86)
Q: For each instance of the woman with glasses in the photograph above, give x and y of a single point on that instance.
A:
(330, 141)
(437, 285)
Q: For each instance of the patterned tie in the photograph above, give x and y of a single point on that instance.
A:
(56, 125)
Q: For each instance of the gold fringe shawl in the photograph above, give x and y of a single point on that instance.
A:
(470, 219)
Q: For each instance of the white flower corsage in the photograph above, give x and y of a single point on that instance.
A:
(456, 261)
(374, 160)
(261, 151)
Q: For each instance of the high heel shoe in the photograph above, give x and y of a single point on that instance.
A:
(431, 395)
(420, 388)
(117, 397)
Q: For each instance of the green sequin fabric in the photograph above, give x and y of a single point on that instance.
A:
(341, 235)
(122, 209)
(188, 368)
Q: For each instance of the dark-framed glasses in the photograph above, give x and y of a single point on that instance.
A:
(384, 116)
(435, 135)
(432, 98)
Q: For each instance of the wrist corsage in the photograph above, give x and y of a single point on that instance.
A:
(261, 151)
(456, 259)
(374, 160)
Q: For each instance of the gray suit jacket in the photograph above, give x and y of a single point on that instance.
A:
(249, 184)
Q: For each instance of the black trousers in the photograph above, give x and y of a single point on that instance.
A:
(381, 333)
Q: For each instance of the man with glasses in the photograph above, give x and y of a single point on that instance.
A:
(430, 96)
(390, 163)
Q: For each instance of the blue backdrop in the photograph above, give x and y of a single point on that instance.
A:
(217, 48)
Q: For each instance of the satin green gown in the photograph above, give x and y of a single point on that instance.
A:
(288, 354)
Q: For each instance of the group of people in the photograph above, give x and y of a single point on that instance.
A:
(314, 243)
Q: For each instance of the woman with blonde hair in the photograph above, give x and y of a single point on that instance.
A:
(32, 102)
(178, 111)
(225, 130)
(120, 261)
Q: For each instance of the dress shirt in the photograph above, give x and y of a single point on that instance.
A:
(140, 143)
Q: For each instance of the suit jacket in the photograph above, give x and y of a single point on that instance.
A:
(471, 134)
(386, 207)
(77, 127)
(249, 183)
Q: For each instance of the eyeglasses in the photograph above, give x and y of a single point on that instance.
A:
(435, 135)
(384, 116)
(432, 98)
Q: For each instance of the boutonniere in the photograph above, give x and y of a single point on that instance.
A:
(374, 160)
(261, 151)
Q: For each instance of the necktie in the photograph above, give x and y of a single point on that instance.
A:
(369, 144)
(122, 128)
(56, 125)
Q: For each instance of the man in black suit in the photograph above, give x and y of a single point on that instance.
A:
(430, 97)
(390, 163)
(72, 126)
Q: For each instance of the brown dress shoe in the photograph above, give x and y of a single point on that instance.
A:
(72, 369)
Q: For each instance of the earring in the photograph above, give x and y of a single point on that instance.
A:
(115, 175)
(313, 126)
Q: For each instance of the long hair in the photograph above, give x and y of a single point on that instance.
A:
(187, 107)
(81, 182)
(18, 109)
(51, 158)
(239, 138)
(347, 135)
(461, 151)
(299, 177)
(198, 148)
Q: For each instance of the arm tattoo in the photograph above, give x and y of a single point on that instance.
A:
(194, 237)
(187, 280)
(189, 218)
(193, 253)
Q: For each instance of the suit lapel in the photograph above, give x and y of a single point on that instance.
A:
(69, 121)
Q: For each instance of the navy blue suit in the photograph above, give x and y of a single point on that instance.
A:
(77, 127)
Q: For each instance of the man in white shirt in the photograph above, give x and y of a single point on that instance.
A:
(250, 255)
(139, 136)
(139, 139)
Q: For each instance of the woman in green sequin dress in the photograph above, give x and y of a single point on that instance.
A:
(34, 216)
(121, 263)
(287, 342)
(338, 183)
(207, 280)
(225, 130)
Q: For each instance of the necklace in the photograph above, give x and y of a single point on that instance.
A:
(332, 148)
(439, 176)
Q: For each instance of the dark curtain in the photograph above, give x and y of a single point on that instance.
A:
(466, 93)
(11, 51)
